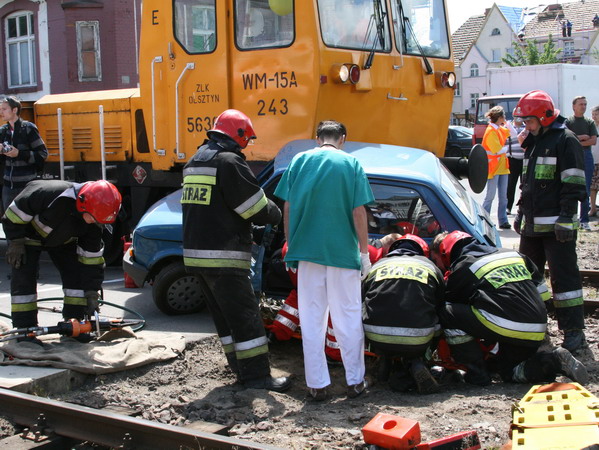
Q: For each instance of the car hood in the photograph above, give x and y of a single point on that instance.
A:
(163, 220)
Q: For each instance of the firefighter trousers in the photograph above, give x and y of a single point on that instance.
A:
(23, 284)
(462, 331)
(566, 283)
(236, 315)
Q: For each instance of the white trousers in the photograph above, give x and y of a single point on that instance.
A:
(322, 289)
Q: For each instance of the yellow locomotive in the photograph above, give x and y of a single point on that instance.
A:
(383, 67)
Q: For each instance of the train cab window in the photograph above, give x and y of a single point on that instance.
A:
(195, 25)
(263, 23)
(400, 210)
(421, 23)
(356, 24)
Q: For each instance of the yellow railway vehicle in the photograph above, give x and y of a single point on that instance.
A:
(383, 67)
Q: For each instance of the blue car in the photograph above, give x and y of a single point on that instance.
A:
(414, 192)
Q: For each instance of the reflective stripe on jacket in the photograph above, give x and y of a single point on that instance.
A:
(553, 181)
(504, 289)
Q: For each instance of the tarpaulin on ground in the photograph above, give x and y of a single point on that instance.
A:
(114, 354)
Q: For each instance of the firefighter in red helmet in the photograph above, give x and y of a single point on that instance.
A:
(65, 219)
(400, 296)
(496, 295)
(220, 200)
(553, 183)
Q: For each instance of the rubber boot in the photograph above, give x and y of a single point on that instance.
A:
(425, 382)
(574, 340)
(544, 366)
(384, 368)
(570, 366)
(476, 373)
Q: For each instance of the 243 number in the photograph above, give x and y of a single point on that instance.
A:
(273, 107)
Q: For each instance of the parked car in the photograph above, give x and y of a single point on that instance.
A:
(459, 141)
(414, 192)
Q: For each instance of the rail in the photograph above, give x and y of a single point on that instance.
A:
(108, 428)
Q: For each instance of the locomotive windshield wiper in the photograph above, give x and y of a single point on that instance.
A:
(378, 18)
(407, 24)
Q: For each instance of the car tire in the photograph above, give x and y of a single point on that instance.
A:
(453, 152)
(177, 292)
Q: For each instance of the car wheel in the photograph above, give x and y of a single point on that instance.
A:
(177, 292)
(453, 152)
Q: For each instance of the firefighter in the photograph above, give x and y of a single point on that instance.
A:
(553, 182)
(221, 199)
(497, 295)
(400, 297)
(65, 219)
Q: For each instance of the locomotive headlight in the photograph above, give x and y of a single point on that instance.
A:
(448, 79)
(345, 73)
(340, 73)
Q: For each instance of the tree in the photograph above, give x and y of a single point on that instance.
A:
(529, 55)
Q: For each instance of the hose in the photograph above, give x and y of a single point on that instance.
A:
(101, 302)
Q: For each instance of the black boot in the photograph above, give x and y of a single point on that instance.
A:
(574, 340)
(425, 383)
(476, 373)
(384, 368)
(280, 384)
(569, 366)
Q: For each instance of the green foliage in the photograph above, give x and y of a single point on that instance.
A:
(529, 55)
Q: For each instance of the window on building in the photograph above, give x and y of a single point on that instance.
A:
(496, 55)
(473, 99)
(495, 32)
(568, 49)
(20, 49)
(474, 70)
(88, 51)
(509, 51)
(457, 91)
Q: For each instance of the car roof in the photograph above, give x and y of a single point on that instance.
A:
(384, 160)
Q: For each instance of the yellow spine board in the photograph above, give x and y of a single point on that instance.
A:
(556, 416)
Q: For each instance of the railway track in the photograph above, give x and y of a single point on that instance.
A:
(51, 424)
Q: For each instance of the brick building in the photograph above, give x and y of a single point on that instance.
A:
(59, 46)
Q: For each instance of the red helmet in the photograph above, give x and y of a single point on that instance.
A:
(236, 125)
(101, 199)
(448, 243)
(421, 243)
(537, 104)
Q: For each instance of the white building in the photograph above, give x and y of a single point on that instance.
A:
(483, 40)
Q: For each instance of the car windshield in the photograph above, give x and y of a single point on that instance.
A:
(456, 192)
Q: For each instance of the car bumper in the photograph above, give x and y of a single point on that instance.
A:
(136, 271)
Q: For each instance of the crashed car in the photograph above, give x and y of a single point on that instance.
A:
(414, 192)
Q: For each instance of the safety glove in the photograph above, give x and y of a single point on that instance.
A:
(365, 265)
(15, 254)
(93, 304)
(518, 223)
(564, 229)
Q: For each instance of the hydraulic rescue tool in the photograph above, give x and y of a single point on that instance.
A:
(72, 328)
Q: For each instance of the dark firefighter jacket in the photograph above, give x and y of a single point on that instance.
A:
(45, 213)
(32, 153)
(504, 289)
(220, 200)
(400, 296)
(553, 180)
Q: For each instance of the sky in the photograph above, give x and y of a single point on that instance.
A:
(461, 10)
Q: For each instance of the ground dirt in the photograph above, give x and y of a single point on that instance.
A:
(198, 386)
